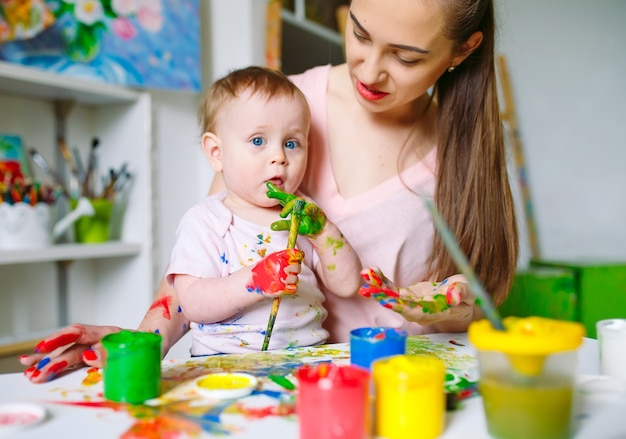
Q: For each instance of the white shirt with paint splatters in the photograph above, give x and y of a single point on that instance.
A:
(212, 242)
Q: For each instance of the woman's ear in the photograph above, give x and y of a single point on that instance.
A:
(212, 148)
(466, 49)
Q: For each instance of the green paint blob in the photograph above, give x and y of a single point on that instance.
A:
(133, 366)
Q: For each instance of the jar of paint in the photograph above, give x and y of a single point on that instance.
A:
(527, 376)
(612, 343)
(410, 397)
(369, 344)
(333, 402)
(133, 366)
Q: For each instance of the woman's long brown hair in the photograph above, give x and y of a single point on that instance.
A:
(472, 189)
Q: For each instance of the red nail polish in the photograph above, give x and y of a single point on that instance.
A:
(90, 355)
(29, 370)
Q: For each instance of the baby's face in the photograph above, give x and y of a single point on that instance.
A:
(263, 140)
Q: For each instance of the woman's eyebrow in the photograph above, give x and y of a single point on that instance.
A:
(395, 46)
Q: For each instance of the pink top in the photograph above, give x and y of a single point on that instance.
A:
(388, 226)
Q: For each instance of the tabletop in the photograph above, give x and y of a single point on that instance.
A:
(74, 404)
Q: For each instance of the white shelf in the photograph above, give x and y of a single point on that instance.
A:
(312, 27)
(69, 252)
(109, 283)
(24, 81)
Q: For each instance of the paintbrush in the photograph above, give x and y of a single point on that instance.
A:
(296, 215)
(91, 166)
(45, 167)
(482, 298)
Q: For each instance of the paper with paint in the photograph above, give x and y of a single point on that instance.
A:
(182, 409)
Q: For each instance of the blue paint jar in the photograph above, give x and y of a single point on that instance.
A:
(369, 344)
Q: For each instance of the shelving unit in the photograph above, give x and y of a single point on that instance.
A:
(111, 283)
(303, 36)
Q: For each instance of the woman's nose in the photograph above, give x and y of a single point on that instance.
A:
(372, 70)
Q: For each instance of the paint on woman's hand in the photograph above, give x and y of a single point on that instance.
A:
(50, 345)
(385, 292)
(269, 275)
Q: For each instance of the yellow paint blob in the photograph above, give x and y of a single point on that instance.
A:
(226, 381)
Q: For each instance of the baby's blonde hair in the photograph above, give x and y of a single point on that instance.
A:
(254, 79)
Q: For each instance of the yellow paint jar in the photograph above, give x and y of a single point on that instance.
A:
(410, 397)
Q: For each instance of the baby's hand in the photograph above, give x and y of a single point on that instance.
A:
(277, 273)
(313, 218)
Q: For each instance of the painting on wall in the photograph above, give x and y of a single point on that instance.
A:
(138, 43)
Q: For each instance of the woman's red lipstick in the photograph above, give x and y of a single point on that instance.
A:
(371, 94)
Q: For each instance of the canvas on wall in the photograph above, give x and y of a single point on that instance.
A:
(138, 43)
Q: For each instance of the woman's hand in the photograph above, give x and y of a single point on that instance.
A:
(66, 349)
(426, 303)
(277, 273)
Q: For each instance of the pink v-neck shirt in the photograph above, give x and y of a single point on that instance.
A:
(388, 226)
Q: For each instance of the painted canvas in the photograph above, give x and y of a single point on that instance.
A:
(13, 162)
(138, 43)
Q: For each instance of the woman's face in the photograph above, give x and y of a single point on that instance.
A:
(395, 51)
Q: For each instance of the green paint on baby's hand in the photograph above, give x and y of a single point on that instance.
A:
(312, 221)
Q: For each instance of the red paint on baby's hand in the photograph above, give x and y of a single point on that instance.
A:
(269, 275)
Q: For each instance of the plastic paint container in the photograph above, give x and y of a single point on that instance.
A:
(18, 416)
(226, 385)
(410, 397)
(333, 402)
(527, 376)
(369, 344)
(612, 342)
(133, 366)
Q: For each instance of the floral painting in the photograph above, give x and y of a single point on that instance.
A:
(139, 43)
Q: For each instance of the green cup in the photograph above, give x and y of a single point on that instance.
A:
(96, 228)
(133, 366)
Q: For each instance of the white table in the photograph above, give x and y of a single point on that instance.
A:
(76, 409)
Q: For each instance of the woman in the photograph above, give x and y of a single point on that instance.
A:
(380, 142)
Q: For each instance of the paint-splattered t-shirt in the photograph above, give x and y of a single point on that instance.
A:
(212, 242)
(388, 226)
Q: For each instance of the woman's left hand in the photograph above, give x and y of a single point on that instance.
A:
(425, 303)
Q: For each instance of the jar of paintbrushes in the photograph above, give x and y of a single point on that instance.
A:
(97, 200)
(25, 213)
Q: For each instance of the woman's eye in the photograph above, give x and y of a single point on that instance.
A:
(291, 144)
(406, 62)
(358, 36)
(258, 141)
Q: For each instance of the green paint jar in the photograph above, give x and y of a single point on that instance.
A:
(133, 366)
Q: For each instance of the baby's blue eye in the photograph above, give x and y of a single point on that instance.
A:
(258, 141)
(291, 144)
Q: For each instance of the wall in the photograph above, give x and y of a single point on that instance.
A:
(567, 62)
